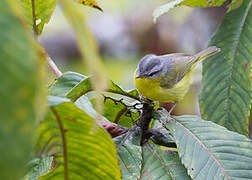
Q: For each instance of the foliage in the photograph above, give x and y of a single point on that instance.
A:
(193, 3)
(20, 102)
(226, 88)
(42, 10)
(69, 142)
(77, 142)
(216, 153)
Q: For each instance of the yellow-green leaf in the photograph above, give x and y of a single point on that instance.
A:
(43, 10)
(82, 149)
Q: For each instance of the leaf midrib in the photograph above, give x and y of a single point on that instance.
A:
(205, 147)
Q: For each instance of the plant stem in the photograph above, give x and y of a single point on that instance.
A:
(144, 121)
(53, 66)
(35, 29)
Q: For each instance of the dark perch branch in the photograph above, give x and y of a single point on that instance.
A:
(144, 121)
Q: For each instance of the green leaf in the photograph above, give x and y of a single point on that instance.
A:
(79, 144)
(226, 86)
(74, 86)
(20, 91)
(65, 83)
(85, 86)
(158, 164)
(39, 167)
(119, 112)
(130, 156)
(43, 10)
(147, 162)
(91, 3)
(193, 3)
(210, 151)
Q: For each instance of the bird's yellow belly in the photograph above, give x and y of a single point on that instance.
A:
(151, 89)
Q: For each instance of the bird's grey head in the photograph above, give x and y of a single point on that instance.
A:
(150, 66)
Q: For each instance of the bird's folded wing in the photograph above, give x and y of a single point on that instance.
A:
(176, 67)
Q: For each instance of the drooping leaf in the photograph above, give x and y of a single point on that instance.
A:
(65, 83)
(91, 3)
(39, 167)
(83, 150)
(193, 3)
(73, 85)
(210, 151)
(226, 86)
(43, 10)
(20, 90)
(147, 162)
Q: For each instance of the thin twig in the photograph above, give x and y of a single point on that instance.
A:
(53, 66)
(51, 63)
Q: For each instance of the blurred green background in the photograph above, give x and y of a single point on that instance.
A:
(125, 32)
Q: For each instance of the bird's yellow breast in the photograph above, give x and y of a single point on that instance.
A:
(150, 88)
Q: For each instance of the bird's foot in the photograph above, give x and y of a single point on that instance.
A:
(145, 100)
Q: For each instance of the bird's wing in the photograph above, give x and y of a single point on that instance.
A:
(176, 67)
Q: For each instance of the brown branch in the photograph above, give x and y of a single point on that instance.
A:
(62, 131)
(144, 121)
(35, 29)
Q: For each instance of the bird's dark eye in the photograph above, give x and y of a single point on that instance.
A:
(152, 73)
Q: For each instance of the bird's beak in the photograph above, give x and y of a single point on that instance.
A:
(138, 76)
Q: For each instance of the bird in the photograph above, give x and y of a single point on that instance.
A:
(167, 78)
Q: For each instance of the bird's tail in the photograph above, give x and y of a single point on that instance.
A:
(206, 53)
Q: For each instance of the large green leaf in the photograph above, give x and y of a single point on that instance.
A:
(193, 3)
(83, 149)
(210, 151)
(226, 86)
(42, 11)
(20, 89)
(147, 162)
